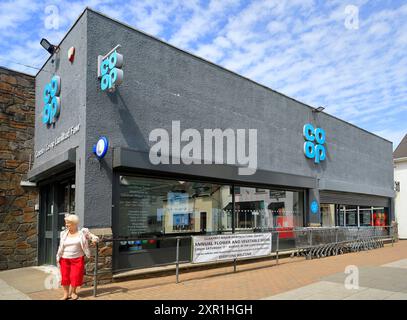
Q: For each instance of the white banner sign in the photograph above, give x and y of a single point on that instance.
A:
(230, 246)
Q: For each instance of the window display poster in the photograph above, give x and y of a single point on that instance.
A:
(181, 219)
(178, 201)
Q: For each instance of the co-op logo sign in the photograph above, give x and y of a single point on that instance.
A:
(109, 70)
(52, 101)
(314, 145)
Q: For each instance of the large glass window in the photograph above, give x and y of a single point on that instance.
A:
(263, 209)
(351, 216)
(365, 216)
(154, 210)
(360, 216)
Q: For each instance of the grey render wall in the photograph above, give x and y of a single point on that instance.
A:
(162, 83)
(73, 102)
(73, 93)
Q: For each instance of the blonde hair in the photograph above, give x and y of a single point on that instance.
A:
(73, 218)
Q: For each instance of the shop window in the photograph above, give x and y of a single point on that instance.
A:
(380, 217)
(263, 210)
(351, 218)
(328, 215)
(156, 207)
(365, 216)
(341, 216)
(154, 210)
(361, 216)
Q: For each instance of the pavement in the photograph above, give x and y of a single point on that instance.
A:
(387, 282)
(18, 284)
(380, 274)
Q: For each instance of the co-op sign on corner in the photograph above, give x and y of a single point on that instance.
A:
(52, 101)
(314, 145)
(109, 70)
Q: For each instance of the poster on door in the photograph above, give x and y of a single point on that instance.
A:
(230, 246)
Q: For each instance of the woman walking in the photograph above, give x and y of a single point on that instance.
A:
(73, 246)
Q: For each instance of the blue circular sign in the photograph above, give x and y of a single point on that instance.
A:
(314, 206)
(101, 147)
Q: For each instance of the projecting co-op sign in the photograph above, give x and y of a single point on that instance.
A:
(110, 72)
(52, 101)
(314, 146)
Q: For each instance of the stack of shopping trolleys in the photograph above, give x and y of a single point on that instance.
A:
(322, 242)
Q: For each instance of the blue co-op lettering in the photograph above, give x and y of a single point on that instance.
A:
(111, 72)
(52, 101)
(314, 147)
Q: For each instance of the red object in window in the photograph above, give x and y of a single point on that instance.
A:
(377, 220)
(372, 223)
(285, 225)
(151, 241)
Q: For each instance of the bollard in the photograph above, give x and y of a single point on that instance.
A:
(177, 262)
(234, 265)
(277, 247)
(95, 271)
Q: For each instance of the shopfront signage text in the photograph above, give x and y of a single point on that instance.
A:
(314, 145)
(62, 137)
(52, 101)
(230, 246)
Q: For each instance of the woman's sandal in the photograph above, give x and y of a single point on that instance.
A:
(74, 297)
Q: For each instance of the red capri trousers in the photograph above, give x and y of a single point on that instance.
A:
(72, 271)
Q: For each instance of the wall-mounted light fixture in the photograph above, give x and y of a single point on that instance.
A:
(48, 46)
(319, 109)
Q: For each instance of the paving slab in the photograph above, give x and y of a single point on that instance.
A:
(388, 281)
(397, 264)
(370, 294)
(8, 292)
(321, 290)
(27, 280)
(397, 296)
(382, 278)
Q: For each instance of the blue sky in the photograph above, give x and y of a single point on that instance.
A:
(311, 50)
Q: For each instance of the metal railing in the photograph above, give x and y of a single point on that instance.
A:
(310, 242)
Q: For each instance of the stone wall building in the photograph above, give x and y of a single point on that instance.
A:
(18, 218)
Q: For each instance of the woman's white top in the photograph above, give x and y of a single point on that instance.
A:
(84, 234)
(72, 247)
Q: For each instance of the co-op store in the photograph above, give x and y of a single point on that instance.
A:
(110, 83)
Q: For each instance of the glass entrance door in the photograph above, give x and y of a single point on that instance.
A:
(56, 200)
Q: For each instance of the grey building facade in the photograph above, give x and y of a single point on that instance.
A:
(162, 84)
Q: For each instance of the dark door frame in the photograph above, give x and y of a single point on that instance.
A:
(49, 186)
